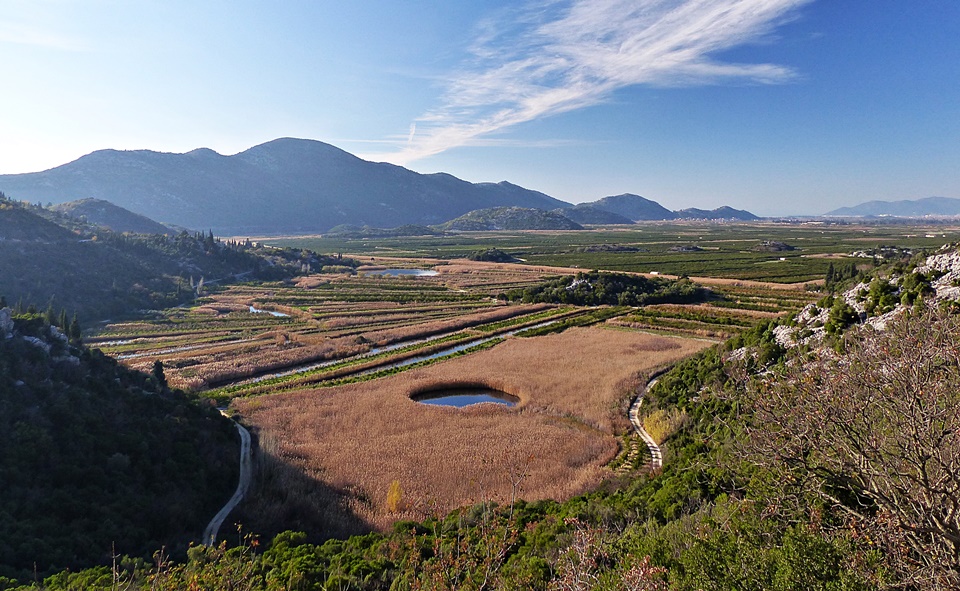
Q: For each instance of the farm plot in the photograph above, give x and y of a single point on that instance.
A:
(254, 339)
(349, 443)
(694, 248)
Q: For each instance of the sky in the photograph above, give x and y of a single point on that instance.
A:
(781, 107)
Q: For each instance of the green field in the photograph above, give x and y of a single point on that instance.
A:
(727, 250)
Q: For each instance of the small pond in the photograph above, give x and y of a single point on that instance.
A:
(402, 272)
(460, 397)
(256, 310)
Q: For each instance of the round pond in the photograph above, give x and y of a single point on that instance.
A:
(460, 397)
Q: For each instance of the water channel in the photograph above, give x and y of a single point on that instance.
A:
(402, 272)
(270, 312)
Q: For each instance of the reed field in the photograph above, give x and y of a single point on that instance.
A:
(574, 389)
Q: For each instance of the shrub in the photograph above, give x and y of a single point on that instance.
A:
(662, 423)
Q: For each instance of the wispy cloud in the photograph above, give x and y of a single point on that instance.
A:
(556, 56)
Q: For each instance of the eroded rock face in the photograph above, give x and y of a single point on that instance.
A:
(809, 326)
(948, 285)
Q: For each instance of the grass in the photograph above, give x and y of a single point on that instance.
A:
(662, 423)
(361, 437)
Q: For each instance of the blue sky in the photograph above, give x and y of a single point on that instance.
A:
(777, 106)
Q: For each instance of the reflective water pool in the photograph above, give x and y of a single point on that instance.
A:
(460, 397)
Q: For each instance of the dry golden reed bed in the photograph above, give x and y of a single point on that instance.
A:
(574, 388)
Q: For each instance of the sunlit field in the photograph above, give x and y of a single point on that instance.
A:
(574, 389)
(729, 250)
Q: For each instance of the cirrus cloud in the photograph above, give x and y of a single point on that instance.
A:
(554, 56)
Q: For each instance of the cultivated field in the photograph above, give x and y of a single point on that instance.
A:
(245, 332)
(574, 388)
(253, 339)
(731, 250)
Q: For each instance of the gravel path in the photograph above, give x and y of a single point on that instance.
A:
(210, 533)
(656, 456)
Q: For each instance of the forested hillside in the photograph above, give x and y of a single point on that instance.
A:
(100, 274)
(97, 460)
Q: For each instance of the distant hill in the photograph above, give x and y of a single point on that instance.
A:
(283, 186)
(351, 231)
(106, 214)
(930, 206)
(636, 208)
(510, 218)
(101, 274)
(720, 213)
(633, 207)
(18, 223)
(584, 213)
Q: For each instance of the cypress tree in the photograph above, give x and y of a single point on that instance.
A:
(74, 331)
(158, 374)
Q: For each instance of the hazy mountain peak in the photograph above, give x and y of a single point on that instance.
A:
(633, 207)
(286, 185)
(929, 206)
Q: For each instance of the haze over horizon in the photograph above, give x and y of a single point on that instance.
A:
(776, 106)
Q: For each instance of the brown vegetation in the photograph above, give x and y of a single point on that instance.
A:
(221, 341)
(874, 433)
(358, 439)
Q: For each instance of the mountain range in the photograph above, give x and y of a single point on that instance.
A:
(293, 186)
(930, 206)
(283, 186)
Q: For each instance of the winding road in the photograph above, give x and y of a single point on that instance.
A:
(656, 457)
(210, 533)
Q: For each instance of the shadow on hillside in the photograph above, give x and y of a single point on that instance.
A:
(282, 497)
